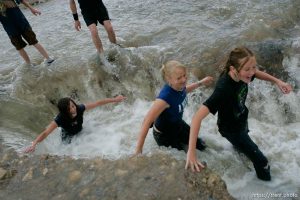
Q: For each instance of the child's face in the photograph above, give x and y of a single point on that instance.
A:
(178, 78)
(72, 109)
(248, 70)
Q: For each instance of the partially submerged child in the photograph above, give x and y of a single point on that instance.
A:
(70, 119)
(228, 99)
(169, 129)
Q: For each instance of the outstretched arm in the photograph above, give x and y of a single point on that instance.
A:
(191, 160)
(205, 81)
(104, 101)
(73, 8)
(157, 108)
(283, 86)
(41, 137)
(32, 9)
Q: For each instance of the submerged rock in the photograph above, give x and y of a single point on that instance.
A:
(3, 173)
(155, 177)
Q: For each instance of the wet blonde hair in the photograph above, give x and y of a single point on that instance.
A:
(168, 68)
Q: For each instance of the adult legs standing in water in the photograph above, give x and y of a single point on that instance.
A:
(94, 12)
(19, 30)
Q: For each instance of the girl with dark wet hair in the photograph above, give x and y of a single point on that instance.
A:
(70, 119)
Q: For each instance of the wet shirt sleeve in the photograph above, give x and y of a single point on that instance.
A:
(81, 108)
(215, 100)
(164, 94)
(58, 120)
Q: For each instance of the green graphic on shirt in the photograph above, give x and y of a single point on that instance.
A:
(241, 98)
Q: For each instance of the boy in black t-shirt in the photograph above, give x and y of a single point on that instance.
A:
(94, 11)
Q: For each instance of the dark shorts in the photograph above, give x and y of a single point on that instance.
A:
(16, 26)
(28, 35)
(178, 139)
(98, 14)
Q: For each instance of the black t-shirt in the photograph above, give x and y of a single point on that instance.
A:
(228, 99)
(71, 126)
(88, 6)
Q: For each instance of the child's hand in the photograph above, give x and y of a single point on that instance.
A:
(193, 163)
(207, 80)
(30, 149)
(77, 25)
(35, 11)
(119, 98)
(138, 152)
(284, 87)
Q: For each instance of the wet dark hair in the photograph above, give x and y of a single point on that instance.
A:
(235, 57)
(63, 106)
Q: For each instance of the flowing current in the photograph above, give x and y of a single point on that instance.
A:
(199, 34)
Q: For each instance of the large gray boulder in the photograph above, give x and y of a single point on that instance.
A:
(155, 177)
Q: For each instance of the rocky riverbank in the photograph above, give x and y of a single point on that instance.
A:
(52, 177)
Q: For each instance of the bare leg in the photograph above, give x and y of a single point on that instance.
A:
(110, 31)
(96, 38)
(41, 49)
(24, 55)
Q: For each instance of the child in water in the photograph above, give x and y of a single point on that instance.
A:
(228, 99)
(169, 129)
(70, 119)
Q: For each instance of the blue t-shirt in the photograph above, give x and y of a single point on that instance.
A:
(71, 126)
(171, 117)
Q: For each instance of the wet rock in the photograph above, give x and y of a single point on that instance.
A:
(4, 158)
(3, 173)
(28, 175)
(74, 176)
(45, 171)
(212, 180)
(270, 54)
(84, 192)
(147, 178)
(120, 172)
